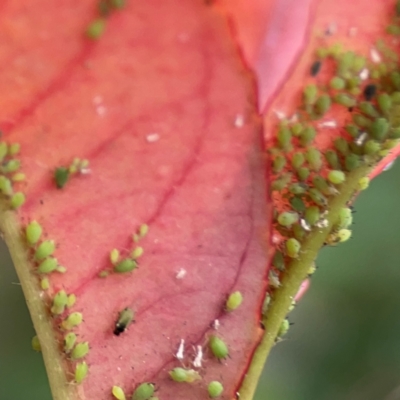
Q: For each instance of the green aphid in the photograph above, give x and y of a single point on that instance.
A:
(384, 102)
(69, 341)
(74, 319)
(278, 164)
(361, 120)
(81, 371)
(341, 145)
(17, 200)
(36, 344)
(118, 393)
(337, 83)
(395, 78)
(288, 218)
(284, 328)
(359, 63)
(352, 84)
(307, 136)
(279, 260)
(372, 147)
(144, 391)
(298, 160)
(281, 182)
(96, 29)
(352, 162)
(368, 109)
(313, 156)
(137, 252)
(61, 176)
(339, 237)
(11, 166)
(395, 96)
(143, 230)
(345, 218)
(284, 137)
(5, 186)
(322, 185)
(71, 300)
(298, 232)
(310, 94)
(215, 389)
(48, 265)
(297, 204)
(363, 183)
(126, 265)
(323, 104)
(218, 347)
(114, 256)
(336, 177)
(303, 173)
(293, 247)
(234, 300)
(298, 188)
(317, 197)
(345, 64)
(379, 128)
(345, 100)
(312, 215)
(18, 177)
(296, 128)
(184, 375)
(61, 269)
(332, 159)
(80, 351)
(33, 232)
(45, 284)
(3, 150)
(59, 302)
(125, 318)
(14, 149)
(45, 249)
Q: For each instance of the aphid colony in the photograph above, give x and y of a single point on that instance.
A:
(9, 175)
(306, 180)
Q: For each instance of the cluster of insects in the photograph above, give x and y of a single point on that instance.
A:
(9, 175)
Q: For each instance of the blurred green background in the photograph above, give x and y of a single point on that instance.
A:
(345, 341)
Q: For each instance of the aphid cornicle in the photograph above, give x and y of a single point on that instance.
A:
(126, 316)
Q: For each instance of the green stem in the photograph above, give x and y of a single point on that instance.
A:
(55, 364)
(293, 278)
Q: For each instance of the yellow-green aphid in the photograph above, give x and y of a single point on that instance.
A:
(279, 163)
(345, 218)
(322, 185)
(103, 274)
(345, 100)
(118, 393)
(61, 176)
(336, 177)
(96, 29)
(297, 128)
(18, 177)
(292, 247)
(312, 215)
(307, 136)
(298, 160)
(323, 104)
(337, 83)
(338, 236)
(234, 300)
(36, 344)
(81, 371)
(363, 183)
(284, 137)
(3, 150)
(59, 302)
(215, 389)
(17, 200)
(114, 256)
(61, 269)
(126, 265)
(74, 319)
(298, 188)
(281, 182)
(313, 156)
(351, 162)
(33, 232)
(11, 166)
(317, 197)
(310, 94)
(143, 230)
(283, 329)
(125, 318)
(80, 350)
(303, 173)
(45, 284)
(361, 121)
(288, 218)
(144, 391)
(45, 249)
(137, 252)
(14, 149)
(218, 347)
(379, 128)
(69, 341)
(71, 300)
(367, 108)
(372, 147)
(384, 102)
(47, 266)
(184, 375)
(5, 186)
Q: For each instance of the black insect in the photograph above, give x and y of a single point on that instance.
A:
(369, 92)
(315, 68)
(126, 316)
